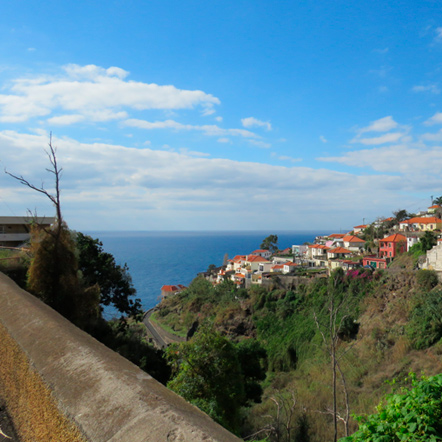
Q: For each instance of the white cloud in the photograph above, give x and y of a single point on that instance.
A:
(223, 140)
(387, 138)
(435, 119)
(253, 122)
(219, 119)
(93, 91)
(160, 189)
(261, 144)
(438, 34)
(385, 124)
(286, 158)
(434, 89)
(207, 129)
(323, 139)
(66, 120)
(420, 166)
(382, 125)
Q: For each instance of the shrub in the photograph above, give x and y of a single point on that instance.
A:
(427, 279)
(411, 415)
(425, 326)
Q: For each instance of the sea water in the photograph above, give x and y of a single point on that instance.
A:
(164, 258)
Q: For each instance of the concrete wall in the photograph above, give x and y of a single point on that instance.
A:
(91, 393)
(434, 260)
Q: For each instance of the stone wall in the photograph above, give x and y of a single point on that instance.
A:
(60, 384)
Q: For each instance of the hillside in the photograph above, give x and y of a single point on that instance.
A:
(387, 324)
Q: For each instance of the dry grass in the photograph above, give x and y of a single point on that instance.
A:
(29, 401)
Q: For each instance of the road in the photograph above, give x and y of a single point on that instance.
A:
(159, 341)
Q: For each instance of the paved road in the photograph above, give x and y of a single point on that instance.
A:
(159, 341)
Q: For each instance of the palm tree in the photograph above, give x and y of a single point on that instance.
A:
(438, 201)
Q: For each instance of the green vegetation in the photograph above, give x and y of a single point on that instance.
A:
(412, 415)
(216, 375)
(270, 243)
(382, 322)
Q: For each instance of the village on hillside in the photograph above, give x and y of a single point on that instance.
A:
(370, 246)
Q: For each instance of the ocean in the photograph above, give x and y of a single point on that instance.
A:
(159, 258)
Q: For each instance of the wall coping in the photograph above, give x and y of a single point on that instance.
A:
(107, 397)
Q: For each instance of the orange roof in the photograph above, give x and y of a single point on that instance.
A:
(239, 258)
(362, 226)
(291, 264)
(337, 235)
(339, 250)
(170, 288)
(259, 251)
(256, 258)
(436, 206)
(318, 246)
(278, 266)
(352, 238)
(397, 237)
(423, 220)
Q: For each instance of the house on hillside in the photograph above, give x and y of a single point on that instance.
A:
(338, 252)
(421, 223)
(374, 262)
(262, 252)
(317, 255)
(167, 290)
(392, 245)
(253, 261)
(353, 243)
(359, 229)
(15, 230)
(434, 208)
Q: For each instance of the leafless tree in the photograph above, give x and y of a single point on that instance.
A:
(338, 304)
(57, 172)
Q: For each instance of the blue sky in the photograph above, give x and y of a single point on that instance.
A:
(222, 115)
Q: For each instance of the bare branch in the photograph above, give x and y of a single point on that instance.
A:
(3, 434)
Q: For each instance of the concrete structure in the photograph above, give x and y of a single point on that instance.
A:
(434, 259)
(104, 396)
(15, 230)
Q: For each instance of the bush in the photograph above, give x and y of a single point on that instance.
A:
(427, 279)
(425, 326)
(412, 415)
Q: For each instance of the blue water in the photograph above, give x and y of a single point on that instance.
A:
(159, 258)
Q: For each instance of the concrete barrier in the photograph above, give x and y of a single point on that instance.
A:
(60, 384)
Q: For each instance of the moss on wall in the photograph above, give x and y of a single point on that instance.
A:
(29, 401)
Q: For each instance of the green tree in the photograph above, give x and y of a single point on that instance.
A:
(207, 373)
(270, 243)
(428, 241)
(401, 215)
(99, 268)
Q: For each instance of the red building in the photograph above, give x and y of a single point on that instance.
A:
(392, 246)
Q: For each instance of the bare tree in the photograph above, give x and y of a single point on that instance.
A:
(57, 172)
(338, 305)
(282, 424)
(53, 272)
